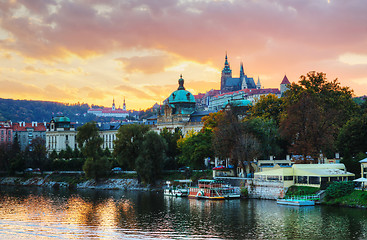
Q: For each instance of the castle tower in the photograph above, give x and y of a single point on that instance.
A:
(113, 105)
(124, 106)
(284, 85)
(258, 85)
(226, 73)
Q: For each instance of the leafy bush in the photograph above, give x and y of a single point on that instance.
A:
(301, 190)
(244, 192)
(96, 168)
(339, 189)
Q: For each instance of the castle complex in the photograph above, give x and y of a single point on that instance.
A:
(230, 84)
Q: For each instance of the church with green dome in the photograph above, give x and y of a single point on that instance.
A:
(181, 101)
(179, 111)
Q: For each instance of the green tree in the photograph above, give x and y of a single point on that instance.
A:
(352, 138)
(149, 162)
(173, 151)
(90, 142)
(268, 107)
(68, 152)
(232, 141)
(196, 148)
(88, 139)
(39, 153)
(128, 144)
(96, 168)
(315, 111)
(266, 132)
(53, 155)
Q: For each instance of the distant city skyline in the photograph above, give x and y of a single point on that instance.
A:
(96, 51)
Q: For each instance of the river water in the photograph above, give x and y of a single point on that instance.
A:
(36, 213)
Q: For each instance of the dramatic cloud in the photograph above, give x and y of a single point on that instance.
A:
(114, 40)
(147, 64)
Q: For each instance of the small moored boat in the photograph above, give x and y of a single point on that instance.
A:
(177, 188)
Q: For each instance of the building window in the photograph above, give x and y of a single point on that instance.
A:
(302, 179)
(288, 178)
(273, 178)
(333, 179)
(314, 180)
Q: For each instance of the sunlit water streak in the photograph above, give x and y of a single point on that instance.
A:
(34, 213)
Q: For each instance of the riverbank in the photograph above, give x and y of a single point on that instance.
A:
(75, 183)
(356, 199)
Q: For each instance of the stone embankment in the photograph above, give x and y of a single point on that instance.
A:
(108, 184)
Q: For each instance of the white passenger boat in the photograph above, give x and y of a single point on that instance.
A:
(177, 188)
(214, 190)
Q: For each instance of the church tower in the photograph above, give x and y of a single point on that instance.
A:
(113, 105)
(124, 106)
(258, 85)
(284, 85)
(226, 73)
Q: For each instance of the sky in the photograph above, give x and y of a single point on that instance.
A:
(93, 51)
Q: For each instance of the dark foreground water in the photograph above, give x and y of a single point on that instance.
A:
(35, 213)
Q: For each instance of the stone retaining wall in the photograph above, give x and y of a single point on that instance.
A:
(257, 188)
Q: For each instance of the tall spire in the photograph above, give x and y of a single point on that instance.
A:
(242, 71)
(227, 68)
(113, 104)
(124, 105)
(258, 85)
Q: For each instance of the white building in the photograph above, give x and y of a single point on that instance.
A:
(110, 112)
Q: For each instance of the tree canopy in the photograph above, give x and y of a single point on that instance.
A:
(315, 110)
(268, 107)
(128, 144)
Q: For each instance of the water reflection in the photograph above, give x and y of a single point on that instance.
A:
(34, 213)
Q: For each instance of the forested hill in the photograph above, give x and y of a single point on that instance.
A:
(40, 111)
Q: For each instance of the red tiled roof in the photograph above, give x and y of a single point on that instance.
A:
(17, 127)
(107, 110)
(253, 91)
(285, 80)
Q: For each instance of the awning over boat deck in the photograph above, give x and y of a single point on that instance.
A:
(322, 172)
(360, 180)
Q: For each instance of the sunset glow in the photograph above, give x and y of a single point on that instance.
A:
(93, 51)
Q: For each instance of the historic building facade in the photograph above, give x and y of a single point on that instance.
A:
(60, 134)
(179, 111)
(25, 132)
(230, 84)
(110, 112)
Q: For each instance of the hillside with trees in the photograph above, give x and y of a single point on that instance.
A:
(40, 111)
(43, 111)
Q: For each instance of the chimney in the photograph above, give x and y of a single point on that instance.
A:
(271, 158)
(288, 157)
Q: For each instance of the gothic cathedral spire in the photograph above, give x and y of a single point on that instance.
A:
(226, 73)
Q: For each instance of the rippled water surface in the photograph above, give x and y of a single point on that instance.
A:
(34, 213)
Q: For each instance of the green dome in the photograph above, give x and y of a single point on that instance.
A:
(181, 95)
(62, 119)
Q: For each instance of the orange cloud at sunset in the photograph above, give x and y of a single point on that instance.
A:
(93, 51)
